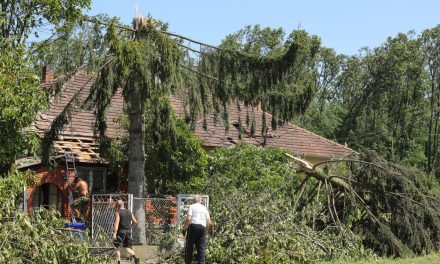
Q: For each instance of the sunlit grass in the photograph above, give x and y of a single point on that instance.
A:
(429, 259)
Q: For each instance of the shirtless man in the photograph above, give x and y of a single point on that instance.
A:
(82, 201)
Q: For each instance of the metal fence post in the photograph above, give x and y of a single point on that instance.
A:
(93, 216)
(24, 199)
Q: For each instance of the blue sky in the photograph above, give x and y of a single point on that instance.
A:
(345, 25)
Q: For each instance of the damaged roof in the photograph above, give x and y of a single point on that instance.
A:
(78, 136)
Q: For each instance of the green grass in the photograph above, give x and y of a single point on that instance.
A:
(429, 259)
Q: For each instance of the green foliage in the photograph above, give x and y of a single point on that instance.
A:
(81, 46)
(325, 114)
(385, 99)
(173, 155)
(430, 45)
(403, 206)
(251, 170)
(19, 19)
(36, 237)
(391, 101)
(427, 259)
(260, 208)
(22, 97)
(323, 119)
(10, 188)
(252, 197)
(134, 64)
(284, 92)
(144, 66)
(20, 101)
(256, 40)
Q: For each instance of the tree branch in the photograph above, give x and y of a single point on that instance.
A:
(203, 74)
(348, 160)
(191, 49)
(43, 44)
(95, 20)
(191, 40)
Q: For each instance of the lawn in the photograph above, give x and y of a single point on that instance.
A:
(429, 259)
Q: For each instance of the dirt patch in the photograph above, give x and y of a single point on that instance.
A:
(146, 254)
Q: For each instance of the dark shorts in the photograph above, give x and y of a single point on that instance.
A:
(123, 238)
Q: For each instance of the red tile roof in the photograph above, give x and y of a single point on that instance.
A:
(288, 137)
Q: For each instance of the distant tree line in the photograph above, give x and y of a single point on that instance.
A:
(386, 99)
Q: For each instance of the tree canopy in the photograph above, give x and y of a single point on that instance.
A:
(384, 99)
(21, 99)
(20, 19)
(21, 96)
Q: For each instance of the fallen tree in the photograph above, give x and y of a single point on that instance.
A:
(394, 209)
(252, 201)
(269, 207)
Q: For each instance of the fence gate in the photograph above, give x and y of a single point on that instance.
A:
(103, 213)
(155, 216)
(183, 203)
(158, 216)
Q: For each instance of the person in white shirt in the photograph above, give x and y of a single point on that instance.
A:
(198, 223)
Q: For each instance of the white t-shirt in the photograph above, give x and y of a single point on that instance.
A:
(199, 214)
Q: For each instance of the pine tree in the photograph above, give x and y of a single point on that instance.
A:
(149, 63)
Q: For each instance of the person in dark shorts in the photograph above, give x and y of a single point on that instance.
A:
(124, 221)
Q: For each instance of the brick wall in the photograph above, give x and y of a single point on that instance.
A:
(56, 177)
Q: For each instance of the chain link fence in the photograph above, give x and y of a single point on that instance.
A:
(159, 218)
(103, 213)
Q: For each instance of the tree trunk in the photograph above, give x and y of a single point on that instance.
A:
(136, 159)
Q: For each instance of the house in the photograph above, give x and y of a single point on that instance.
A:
(78, 139)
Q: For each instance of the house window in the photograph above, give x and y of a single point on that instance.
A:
(47, 196)
(94, 176)
(112, 184)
